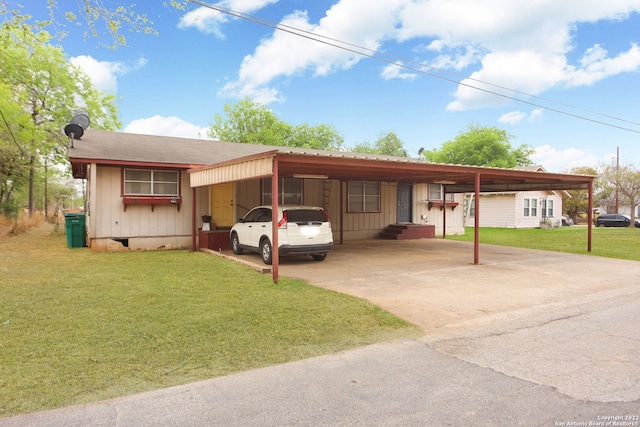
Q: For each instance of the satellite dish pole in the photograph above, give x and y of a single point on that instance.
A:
(75, 129)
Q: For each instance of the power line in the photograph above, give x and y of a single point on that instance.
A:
(400, 62)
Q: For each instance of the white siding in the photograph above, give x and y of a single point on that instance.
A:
(498, 210)
(506, 210)
(160, 227)
(434, 216)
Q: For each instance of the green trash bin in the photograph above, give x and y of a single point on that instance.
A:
(75, 226)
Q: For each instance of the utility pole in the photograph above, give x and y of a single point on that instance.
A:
(617, 172)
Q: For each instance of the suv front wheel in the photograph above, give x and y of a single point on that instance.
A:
(265, 249)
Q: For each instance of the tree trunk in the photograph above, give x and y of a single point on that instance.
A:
(32, 174)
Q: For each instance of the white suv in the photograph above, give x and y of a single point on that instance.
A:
(302, 230)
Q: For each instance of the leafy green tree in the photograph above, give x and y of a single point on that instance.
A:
(94, 18)
(320, 137)
(626, 179)
(578, 200)
(482, 146)
(249, 123)
(254, 123)
(388, 144)
(47, 90)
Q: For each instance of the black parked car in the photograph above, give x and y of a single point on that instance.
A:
(566, 221)
(615, 220)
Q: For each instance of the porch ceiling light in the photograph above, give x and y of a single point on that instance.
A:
(444, 182)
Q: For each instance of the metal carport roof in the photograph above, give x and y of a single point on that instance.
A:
(288, 162)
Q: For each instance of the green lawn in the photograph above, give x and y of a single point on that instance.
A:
(623, 243)
(78, 326)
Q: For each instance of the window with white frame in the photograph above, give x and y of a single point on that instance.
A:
(435, 193)
(289, 191)
(363, 196)
(149, 182)
(550, 208)
(546, 208)
(470, 206)
(530, 207)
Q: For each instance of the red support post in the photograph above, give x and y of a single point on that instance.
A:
(444, 212)
(194, 223)
(275, 255)
(590, 217)
(476, 229)
(341, 212)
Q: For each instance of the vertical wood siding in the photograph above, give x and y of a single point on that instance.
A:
(230, 173)
(162, 225)
(434, 216)
(357, 225)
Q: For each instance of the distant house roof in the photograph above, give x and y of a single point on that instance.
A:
(532, 168)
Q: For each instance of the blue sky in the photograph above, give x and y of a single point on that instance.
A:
(555, 54)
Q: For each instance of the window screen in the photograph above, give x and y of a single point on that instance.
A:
(363, 196)
(150, 182)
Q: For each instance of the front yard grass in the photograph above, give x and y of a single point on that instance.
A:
(78, 326)
(622, 243)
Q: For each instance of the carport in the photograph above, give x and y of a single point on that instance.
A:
(305, 163)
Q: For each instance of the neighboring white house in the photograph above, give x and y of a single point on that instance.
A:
(517, 209)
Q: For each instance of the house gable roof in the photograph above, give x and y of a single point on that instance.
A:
(105, 147)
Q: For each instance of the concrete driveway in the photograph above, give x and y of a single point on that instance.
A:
(567, 321)
(434, 284)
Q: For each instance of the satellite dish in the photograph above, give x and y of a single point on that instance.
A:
(81, 118)
(73, 131)
(420, 151)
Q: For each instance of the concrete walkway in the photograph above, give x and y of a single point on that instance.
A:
(526, 338)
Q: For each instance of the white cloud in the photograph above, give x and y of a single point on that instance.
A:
(513, 117)
(457, 59)
(205, 20)
(596, 65)
(535, 114)
(104, 74)
(562, 161)
(524, 47)
(393, 71)
(516, 117)
(285, 55)
(167, 126)
(210, 21)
